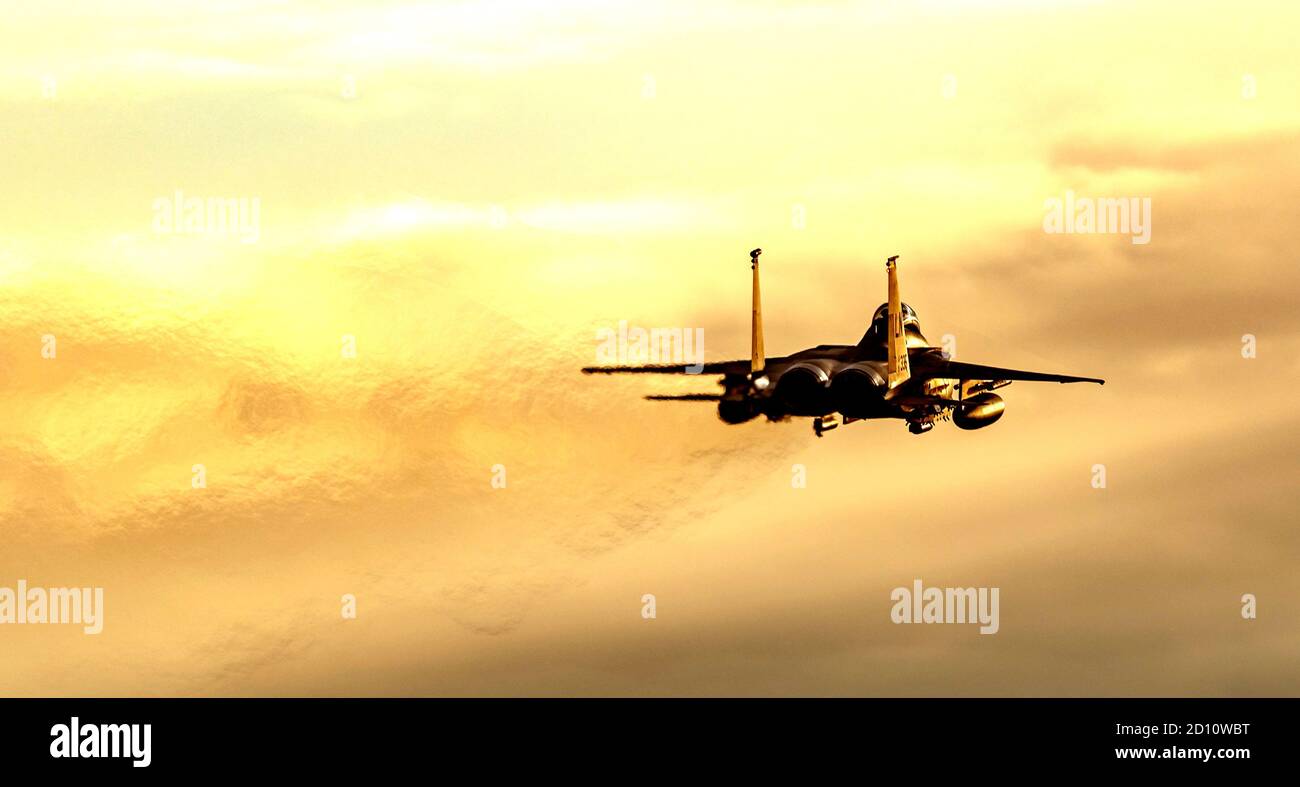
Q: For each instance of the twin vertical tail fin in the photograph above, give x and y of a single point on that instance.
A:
(899, 369)
(757, 360)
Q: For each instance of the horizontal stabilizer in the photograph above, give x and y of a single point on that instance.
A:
(719, 367)
(701, 397)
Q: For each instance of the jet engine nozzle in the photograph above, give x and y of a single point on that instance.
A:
(804, 389)
(737, 411)
(857, 390)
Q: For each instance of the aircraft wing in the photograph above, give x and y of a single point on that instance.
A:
(936, 367)
(717, 367)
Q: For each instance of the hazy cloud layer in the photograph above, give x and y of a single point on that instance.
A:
(503, 187)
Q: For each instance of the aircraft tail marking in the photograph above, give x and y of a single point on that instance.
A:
(899, 369)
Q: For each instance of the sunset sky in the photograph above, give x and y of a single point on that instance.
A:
(471, 191)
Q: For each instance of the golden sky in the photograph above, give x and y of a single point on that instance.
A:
(472, 190)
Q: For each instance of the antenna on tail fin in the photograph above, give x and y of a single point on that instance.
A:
(757, 360)
(899, 369)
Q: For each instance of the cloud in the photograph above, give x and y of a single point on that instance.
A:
(371, 475)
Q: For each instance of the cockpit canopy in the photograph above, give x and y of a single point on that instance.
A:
(909, 314)
(879, 329)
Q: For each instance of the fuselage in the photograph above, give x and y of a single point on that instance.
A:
(848, 379)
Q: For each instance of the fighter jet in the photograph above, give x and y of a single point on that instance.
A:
(893, 372)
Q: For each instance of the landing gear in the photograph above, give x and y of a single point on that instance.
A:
(920, 427)
(825, 423)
